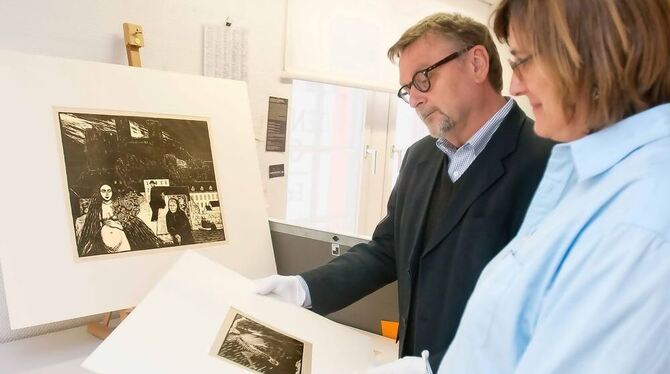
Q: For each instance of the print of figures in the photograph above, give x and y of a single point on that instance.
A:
(156, 201)
(262, 349)
(139, 183)
(177, 223)
(111, 225)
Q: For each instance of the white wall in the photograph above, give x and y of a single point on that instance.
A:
(92, 30)
(173, 29)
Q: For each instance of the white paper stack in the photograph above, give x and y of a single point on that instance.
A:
(175, 329)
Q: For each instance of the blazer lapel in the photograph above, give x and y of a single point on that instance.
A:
(484, 171)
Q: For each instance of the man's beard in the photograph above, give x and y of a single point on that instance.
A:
(445, 126)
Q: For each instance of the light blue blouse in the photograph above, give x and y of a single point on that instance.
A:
(585, 285)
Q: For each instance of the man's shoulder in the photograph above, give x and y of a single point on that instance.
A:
(528, 138)
(528, 141)
(423, 149)
(423, 145)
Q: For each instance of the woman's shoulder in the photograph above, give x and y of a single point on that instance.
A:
(646, 195)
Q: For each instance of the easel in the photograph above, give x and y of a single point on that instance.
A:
(134, 40)
(101, 330)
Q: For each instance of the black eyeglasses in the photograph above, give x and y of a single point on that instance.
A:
(420, 80)
(515, 64)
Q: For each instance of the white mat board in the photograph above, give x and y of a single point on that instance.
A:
(44, 282)
(174, 327)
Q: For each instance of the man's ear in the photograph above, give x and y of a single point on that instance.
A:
(480, 63)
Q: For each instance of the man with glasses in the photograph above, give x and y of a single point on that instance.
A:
(460, 197)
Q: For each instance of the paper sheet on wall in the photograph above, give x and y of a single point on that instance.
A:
(225, 52)
(181, 327)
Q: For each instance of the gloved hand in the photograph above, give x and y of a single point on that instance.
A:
(285, 288)
(406, 365)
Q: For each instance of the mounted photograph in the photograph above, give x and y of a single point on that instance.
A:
(139, 182)
(260, 348)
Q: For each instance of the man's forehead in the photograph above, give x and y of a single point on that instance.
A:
(423, 52)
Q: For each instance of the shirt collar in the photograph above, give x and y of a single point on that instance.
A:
(480, 138)
(597, 152)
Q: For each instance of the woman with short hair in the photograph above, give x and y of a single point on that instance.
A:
(585, 285)
(178, 224)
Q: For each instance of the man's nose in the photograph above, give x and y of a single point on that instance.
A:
(416, 97)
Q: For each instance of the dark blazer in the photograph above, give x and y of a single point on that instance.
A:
(437, 272)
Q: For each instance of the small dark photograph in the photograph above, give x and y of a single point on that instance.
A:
(262, 349)
(138, 183)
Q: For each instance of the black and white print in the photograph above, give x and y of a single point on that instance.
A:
(262, 349)
(139, 182)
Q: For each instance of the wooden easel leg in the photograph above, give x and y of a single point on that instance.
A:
(123, 313)
(100, 330)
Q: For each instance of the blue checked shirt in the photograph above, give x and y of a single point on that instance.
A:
(461, 158)
(584, 287)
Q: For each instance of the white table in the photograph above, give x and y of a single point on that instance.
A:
(57, 352)
(63, 352)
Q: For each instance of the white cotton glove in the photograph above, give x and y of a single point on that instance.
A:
(406, 365)
(285, 288)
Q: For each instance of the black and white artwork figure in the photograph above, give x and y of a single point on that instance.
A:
(139, 182)
(262, 349)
